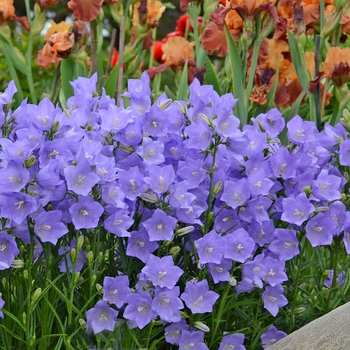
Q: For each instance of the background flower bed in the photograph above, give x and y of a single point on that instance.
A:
(160, 223)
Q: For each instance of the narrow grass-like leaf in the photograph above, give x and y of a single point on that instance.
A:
(67, 75)
(237, 77)
(183, 87)
(299, 63)
(210, 76)
(111, 83)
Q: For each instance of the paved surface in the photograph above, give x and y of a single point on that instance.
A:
(329, 332)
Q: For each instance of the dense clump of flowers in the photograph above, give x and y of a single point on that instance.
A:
(164, 176)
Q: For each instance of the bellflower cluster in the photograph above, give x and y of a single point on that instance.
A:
(186, 200)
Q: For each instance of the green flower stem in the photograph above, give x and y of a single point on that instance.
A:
(211, 188)
(318, 101)
(216, 321)
(296, 277)
(151, 57)
(28, 301)
(29, 57)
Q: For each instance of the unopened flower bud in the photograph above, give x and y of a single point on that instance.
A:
(36, 295)
(174, 251)
(346, 175)
(30, 161)
(332, 22)
(232, 282)
(25, 274)
(165, 104)
(182, 107)
(76, 278)
(80, 242)
(24, 318)
(183, 314)
(100, 257)
(202, 326)
(205, 118)
(307, 190)
(343, 197)
(127, 149)
(4, 283)
(17, 264)
(55, 127)
(74, 162)
(346, 115)
(93, 279)
(82, 322)
(184, 230)
(217, 187)
(98, 287)
(73, 255)
(339, 4)
(90, 257)
(149, 198)
(322, 209)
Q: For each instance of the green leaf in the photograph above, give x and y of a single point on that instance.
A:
(299, 63)
(210, 76)
(13, 54)
(237, 77)
(38, 21)
(67, 75)
(183, 88)
(111, 83)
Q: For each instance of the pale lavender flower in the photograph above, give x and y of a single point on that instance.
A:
(301, 131)
(17, 206)
(235, 193)
(115, 290)
(118, 223)
(140, 246)
(275, 271)
(8, 250)
(285, 244)
(132, 183)
(220, 272)
(274, 299)
(297, 210)
(49, 227)
(272, 122)
(239, 246)
(161, 271)
(80, 179)
(160, 226)
(151, 151)
(344, 153)
(139, 309)
(320, 230)
(272, 336)
(192, 339)
(232, 341)
(14, 177)
(167, 304)
(86, 213)
(160, 178)
(174, 331)
(326, 187)
(198, 298)
(210, 248)
(101, 317)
